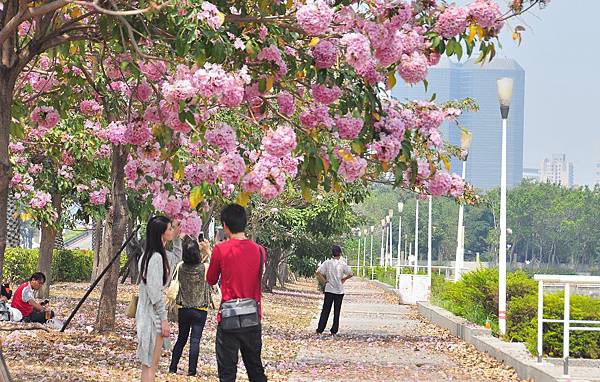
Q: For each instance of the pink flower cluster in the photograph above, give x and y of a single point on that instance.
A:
(325, 95)
(387, 148)
(154, 70)
(413, 68)
(325, 54)
(211, 15)
(98, 198)
(452, 22)
(348, 127)
(272, 54)
(197, 173)
(487, 14)
(440, 183)
(352, 167)
(116, 133)
(90, 107)
(222, 136)
(285, 101)
(46, 117)
(457, 187)
(137, 133)
(268, 175)
(231, 168)
(280, 142)
(40, 199)
(316, 115)
(314, 17)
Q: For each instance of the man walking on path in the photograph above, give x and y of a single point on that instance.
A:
(237, 263)
(333, 273)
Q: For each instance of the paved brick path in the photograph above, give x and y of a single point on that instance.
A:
(380, 340)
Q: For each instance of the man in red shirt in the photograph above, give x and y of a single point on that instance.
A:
(24, 300)
(236, 262)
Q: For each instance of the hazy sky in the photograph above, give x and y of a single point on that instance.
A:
(561, 58)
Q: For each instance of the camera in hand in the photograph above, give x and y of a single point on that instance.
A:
(45, 302)
(201, 236)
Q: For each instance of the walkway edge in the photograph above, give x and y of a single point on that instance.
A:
(513, 354)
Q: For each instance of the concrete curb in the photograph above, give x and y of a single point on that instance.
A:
(511, 353)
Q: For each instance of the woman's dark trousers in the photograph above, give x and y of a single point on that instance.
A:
(194, 319)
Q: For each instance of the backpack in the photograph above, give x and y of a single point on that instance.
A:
(4, 311)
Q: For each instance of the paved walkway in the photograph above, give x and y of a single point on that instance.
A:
(380, 340)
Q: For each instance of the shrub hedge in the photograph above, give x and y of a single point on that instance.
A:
(475, 297)
(67, 264)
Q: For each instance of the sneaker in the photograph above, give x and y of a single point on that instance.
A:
(190, 374)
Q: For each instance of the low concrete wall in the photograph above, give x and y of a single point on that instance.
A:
(512, 354)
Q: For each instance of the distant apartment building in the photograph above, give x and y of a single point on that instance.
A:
(531, 173)
(557, 170)
(453, 81)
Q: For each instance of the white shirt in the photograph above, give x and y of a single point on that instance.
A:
(334, 270)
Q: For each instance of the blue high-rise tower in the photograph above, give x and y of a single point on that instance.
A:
(450, 81)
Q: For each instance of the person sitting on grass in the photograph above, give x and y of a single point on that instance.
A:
(24, 300)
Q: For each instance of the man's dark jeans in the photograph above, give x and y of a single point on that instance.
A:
(336, 301)
(249, 342)
(194, 319)
(37, 316)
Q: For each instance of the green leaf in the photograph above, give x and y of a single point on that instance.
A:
(458, 50)
(262, 85)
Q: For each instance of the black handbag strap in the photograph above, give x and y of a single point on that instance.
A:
(260, 268)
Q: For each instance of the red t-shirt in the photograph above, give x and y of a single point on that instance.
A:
(236, 262)
(19, 303)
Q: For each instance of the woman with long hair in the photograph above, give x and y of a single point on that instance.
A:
(192, 300)
(151, 314)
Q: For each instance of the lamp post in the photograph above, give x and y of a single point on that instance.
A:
(371, 257)
(358, 255)
(382, 247)
(465, 143)
(400, 208)
(416, 236)
(429, 231)
(391, 256)
(365, 253)
(505, 87)
(387, 240)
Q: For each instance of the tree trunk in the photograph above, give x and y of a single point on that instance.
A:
(13, 222)
(7, 85)
(47, 246)
(96, 246)
(116, 225)
(59, 240)
(271, 268)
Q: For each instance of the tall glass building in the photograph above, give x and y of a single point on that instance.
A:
(449, 81)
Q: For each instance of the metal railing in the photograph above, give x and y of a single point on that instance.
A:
(566, 282)
(447, 271)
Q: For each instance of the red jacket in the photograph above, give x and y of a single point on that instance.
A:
(18, 303)
(236, 263)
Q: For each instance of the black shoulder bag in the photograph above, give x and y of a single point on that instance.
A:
(242, 312)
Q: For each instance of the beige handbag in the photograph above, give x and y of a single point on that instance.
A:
(132, 307)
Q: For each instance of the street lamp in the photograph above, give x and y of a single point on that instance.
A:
(505, 87)
(416, 236)
(429, 231)
(391, 255)
(358, 256)
(366, 231)
(465, 143)
(382, 237)
(371, 257)
(400, 208)
(387, 239)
